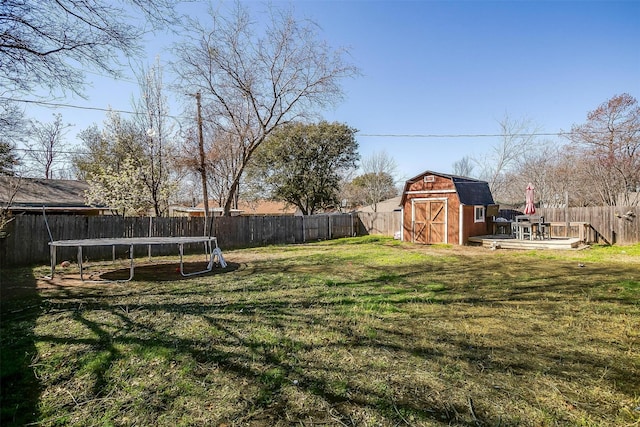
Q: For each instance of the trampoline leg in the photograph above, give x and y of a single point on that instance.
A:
(208, 251)
(221, 260)
(131, 267)
(52, 256)
(210, 254)
(181, 247)
(80, 262)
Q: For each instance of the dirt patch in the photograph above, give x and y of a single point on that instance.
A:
(103, 274)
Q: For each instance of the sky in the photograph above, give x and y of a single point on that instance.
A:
(437, 77)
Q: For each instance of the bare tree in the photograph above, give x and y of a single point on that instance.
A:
(377, 181)
(463, 167)
(609, 142)
(224, 160)
(573, 174)
(8, 193)
(518, 136)
(220, 160)
(254, 83)
(47, 145)
(544, 169)
(157, 136)
(51, 43)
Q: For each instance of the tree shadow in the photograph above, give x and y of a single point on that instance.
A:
(20, 307)
(235, 311)
(166, 272)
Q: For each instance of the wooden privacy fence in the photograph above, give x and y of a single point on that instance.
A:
(27, 238)
(606, 224)
(385, 223)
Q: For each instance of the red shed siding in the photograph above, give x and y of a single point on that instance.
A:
(440, 188)
(472, 228)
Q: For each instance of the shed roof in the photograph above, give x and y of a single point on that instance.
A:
(474, 193)
(470, 191)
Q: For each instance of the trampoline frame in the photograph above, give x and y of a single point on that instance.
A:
(211, 250)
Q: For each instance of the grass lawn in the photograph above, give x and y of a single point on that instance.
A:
(353, 332)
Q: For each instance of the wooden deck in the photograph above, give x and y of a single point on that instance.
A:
(505, 241)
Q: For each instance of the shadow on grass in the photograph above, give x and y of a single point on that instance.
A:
(249, 332)
(272, 375)
(20, 307)
(167, 272)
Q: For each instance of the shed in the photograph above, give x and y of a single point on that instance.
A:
(443, 208)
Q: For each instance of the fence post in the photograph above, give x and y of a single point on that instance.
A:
(566, 214)
(150, 232)
(352, 227)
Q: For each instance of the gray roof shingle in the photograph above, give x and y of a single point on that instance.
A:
(473, 192)
(43, 192)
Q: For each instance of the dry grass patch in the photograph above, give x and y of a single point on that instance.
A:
(351, 332)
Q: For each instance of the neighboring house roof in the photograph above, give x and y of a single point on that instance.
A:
(470, 191)
(259, 207)
(199, 210)
(34, 193)
(389, 205)
(266, 207)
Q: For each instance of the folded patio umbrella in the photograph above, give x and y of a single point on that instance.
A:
(529, 207)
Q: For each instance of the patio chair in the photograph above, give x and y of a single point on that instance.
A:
(522, 227)
(543, 230)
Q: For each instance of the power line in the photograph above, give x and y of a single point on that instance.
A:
(39, 150)
(78, 107)
(461, 135)
(59, 105)
(368, 135)
(83, 153)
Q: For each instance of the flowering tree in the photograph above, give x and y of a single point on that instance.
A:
(123, 157)
(119, 189)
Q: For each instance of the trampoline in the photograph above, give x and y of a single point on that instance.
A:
(211, 249)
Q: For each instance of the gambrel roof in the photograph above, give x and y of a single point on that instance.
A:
(470, 191)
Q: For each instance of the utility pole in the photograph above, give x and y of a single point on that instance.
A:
(203, 171)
